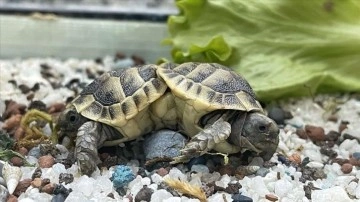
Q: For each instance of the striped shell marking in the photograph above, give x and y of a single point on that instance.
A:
(209, 86)
(119, 95)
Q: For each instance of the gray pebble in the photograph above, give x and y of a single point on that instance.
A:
(2, 181)
(35, 152)
(144, 194)
(124, 63)
(1, 167)
(58, 198)
(356, 155)
(199, 168)
(4, 193)
(262, 172)
(277, 114)
(163, 144)
(66, 177)
(241, 198)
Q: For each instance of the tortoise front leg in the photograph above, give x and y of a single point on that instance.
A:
(88, 140)
(204, 141)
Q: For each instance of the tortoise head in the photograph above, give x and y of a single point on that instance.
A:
(69, 121)
(259, 134)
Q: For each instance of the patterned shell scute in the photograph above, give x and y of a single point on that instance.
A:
(210, 85)
(119, 95)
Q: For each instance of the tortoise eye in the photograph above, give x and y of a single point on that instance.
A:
(73, 117)
(262, 128)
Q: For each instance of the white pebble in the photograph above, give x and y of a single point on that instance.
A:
(160, 195)
(282, 187)
(85, 185)
(224, 181)
(348, 144)
(156, 178)
(219, 197)
(172, 199)
(314, 164)
(136, 185)
(336, 193)
(313, 154)
(175, 173)
(357, 191)
(259, 186)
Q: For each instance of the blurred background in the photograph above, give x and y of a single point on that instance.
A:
(83, 28)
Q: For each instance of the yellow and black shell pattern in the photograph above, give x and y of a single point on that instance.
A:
(209, 86)
(201, 88)
(117, 96)
(120, 98)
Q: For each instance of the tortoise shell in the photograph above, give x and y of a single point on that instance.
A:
(210, 85)
(117, 97)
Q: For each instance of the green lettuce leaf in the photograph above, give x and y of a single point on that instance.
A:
(283, 48)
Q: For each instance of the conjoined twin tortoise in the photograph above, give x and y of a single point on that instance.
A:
(206, 101)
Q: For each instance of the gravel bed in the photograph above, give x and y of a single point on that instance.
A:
(317, 160)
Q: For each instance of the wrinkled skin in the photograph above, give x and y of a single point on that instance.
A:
(263, 133)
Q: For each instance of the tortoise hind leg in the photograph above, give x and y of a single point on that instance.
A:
(88, 140)
(204, 141)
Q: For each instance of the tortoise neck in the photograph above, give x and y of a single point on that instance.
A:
(228, 115)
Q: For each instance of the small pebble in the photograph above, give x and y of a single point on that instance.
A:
(315, 133)
(295, 158)
(48, 188)
(13, 108)
(346, 168)
(36, 183)
(333, 118)
(343, 126)
(328, 152)
(37, 104)
(356, 155)
(4, 193)
(262, 172)
(66, 177)
(271, 197)
(162, 172)
(55, 108)
(332, 136)
(227, 169)
(241, 198)
(233, 188)
(355, 162)
(138, 60)
(277, 114)
(301, 133)
(37, 173)
(196, 161)
(46, 161)
(60, 189)
(144, 194)
(45, 181)
(12, 123)
(58, 198)
(35, 152)
(12, 198)
(22, 186)
(23, 151)
(340, 161)
(199, 168)
(17, 161)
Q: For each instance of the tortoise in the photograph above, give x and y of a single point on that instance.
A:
(208, 102)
